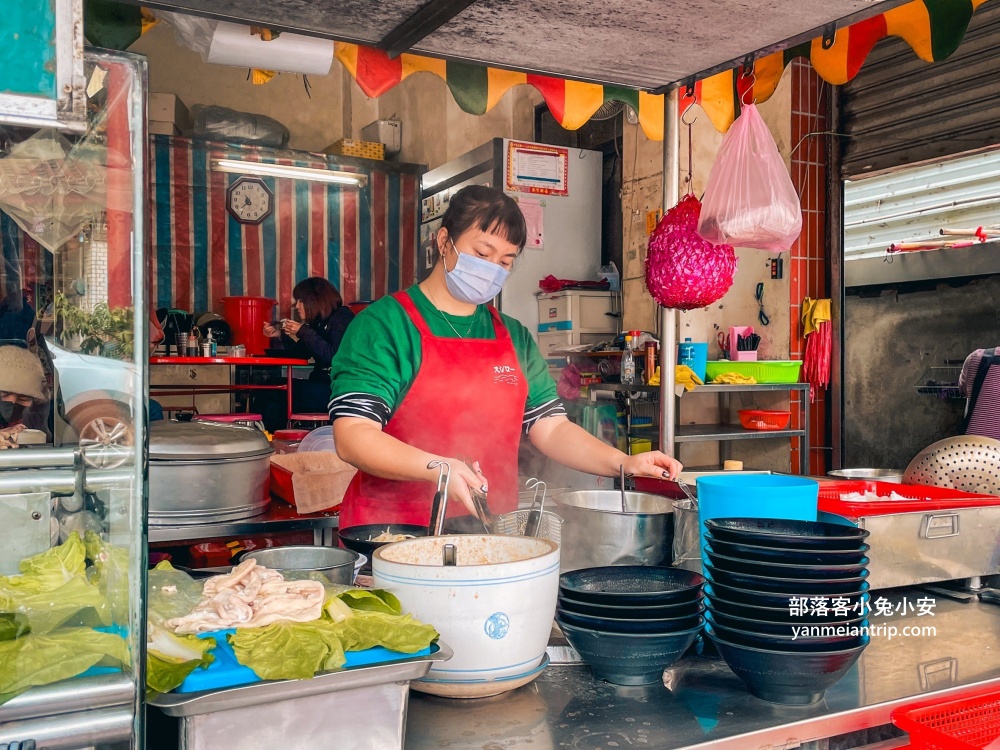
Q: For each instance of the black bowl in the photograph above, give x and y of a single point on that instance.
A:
(662, 612)
(723, 604)
(779, 599)
(779, 532)
(759, 553)
(623, 585)
(633, 659)
(358, 538)
(782, 570)
(800, 586)
(608, 625)
(801, 645)
(793, 679)
(766, 627)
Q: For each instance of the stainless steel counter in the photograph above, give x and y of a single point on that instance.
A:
(279, 517)
(702, 704)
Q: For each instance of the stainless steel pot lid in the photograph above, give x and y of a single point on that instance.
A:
(175, 441)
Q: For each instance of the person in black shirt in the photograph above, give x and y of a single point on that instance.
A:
(323, 318)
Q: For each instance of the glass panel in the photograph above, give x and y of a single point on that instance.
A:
(72, 414)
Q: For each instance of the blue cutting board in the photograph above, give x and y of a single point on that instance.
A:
(227, 672)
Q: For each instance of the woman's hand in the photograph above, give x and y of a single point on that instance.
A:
(464, 479)
(653, 464)
(291, 327)
(271, 331)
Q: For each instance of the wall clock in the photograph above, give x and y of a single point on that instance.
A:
(249, 200)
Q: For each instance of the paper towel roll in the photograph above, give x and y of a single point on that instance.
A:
(233, 44)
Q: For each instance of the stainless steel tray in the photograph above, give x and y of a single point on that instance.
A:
(270, 692)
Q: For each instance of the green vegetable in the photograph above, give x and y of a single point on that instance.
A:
(76, 601)
(13, 626)
(289, 650)
(374, 600)
(171, 592)
(395, 632)
(54, 567)
(110, 574)
(171, 658)
(33, 659)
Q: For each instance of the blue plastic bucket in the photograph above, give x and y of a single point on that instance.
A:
(755, 496)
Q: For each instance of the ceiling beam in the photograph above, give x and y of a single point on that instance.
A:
(420, 25)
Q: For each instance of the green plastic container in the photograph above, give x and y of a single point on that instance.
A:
(762, 372)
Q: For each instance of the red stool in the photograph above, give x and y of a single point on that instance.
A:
(312, 421)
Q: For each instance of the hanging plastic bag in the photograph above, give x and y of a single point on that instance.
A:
(683, 270)
(750, 200)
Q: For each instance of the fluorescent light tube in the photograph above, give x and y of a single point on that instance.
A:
(259, 169)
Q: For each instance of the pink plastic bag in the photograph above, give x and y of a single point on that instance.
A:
(750, 200)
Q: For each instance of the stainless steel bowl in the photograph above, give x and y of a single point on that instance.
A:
(306, 561)
(596, 532)
(895, 476)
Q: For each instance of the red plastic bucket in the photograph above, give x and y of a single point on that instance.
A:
(246, 317)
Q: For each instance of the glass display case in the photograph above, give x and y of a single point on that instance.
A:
(73, 395)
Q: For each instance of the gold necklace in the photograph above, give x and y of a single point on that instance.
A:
(451, 325)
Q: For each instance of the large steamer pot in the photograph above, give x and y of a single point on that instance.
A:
(206, 472)
(494, 607)
(596, 532)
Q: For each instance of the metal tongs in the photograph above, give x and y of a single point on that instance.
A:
(534, 522)
(686, 489)
(480, 502)
(439, 508)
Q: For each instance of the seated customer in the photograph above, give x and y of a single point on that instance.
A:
(324, 318)
(22, 386)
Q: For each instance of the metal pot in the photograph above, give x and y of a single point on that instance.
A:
(596, 532)
(205, 472)
(895, 476)
(687, 536)
(306, 561)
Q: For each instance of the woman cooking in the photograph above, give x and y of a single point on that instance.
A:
(434, 373)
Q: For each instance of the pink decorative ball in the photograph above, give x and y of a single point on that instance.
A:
(684, 271)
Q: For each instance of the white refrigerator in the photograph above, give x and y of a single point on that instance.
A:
(559, 190)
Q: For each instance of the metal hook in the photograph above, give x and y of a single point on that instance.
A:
(444, 475)
(748, 64)
(535, 484)
(684, 114)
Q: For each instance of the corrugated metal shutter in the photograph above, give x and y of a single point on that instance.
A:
(902, 110)
(915, 203)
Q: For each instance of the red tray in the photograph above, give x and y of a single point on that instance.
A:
(968, 723)
(923, 498)
(281, 484)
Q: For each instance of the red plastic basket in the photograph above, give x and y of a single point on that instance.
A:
(762, 419)
(969, 723)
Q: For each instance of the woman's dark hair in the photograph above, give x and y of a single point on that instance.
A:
(318, 296)
(488, 210)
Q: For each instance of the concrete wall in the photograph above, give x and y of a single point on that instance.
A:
(890, 341)
(434, 128)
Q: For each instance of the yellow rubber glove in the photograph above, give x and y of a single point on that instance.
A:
(733, 378)
(685, 376)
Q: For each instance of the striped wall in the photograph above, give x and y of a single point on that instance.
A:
(363, 240)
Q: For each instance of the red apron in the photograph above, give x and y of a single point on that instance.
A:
(467, 400)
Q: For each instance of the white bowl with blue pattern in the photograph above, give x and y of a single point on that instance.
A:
(494, 607)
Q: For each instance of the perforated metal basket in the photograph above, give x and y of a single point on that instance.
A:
(969, 463)
(513, 523)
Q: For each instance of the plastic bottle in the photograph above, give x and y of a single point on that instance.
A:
(628, 363)
(685, 354)
(214, 347)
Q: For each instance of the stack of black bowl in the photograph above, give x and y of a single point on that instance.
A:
(629, 623)
(786, 603)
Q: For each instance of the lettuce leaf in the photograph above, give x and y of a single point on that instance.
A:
(395, 632)
(34, 660)
(76, 602)
(171, 658)
(171, 592)
(371, 600)
(109, 573)
(289, 650)
(54, 567)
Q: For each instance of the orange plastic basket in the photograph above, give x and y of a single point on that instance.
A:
(763, 419)
(969, 723)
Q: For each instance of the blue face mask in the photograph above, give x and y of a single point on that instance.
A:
(473, 279)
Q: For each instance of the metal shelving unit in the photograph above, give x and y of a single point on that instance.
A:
(721, 433)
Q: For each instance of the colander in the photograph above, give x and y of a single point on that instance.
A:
(968, 462)
(514, 523)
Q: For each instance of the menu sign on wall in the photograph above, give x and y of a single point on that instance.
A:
(536, 168)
